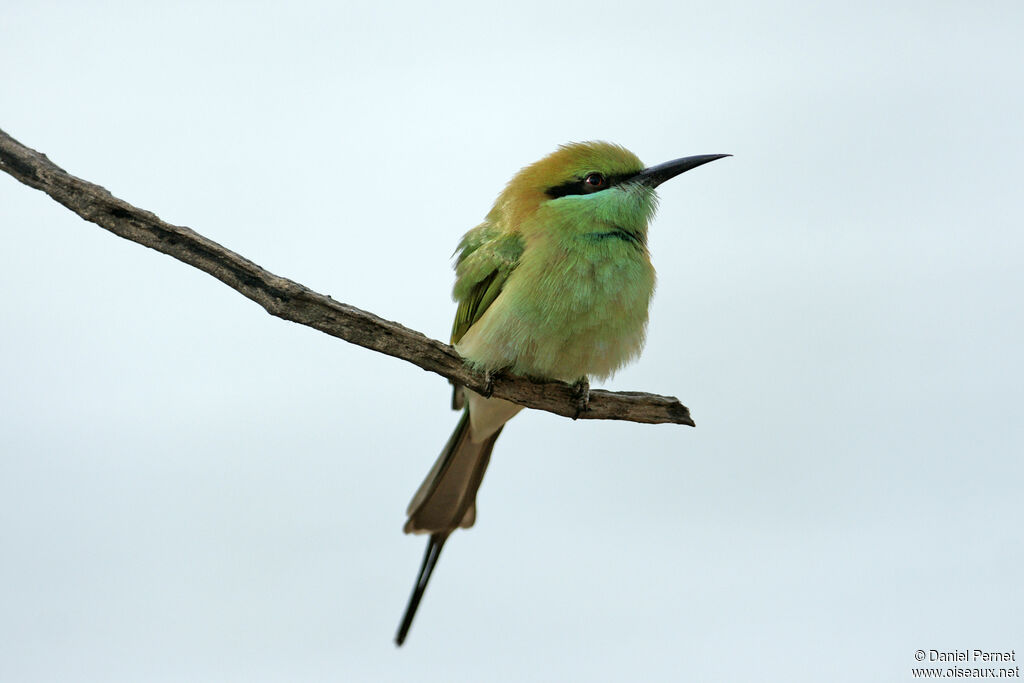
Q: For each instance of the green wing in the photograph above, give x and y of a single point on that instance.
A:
(473, 306)
(486, 259)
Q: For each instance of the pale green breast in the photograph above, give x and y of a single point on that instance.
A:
(569, 309)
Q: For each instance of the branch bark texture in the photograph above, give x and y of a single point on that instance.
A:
(292, 301)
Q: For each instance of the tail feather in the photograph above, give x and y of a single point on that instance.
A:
(434, 547)
(445, 501)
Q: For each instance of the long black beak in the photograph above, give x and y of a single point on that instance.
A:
(656, 175)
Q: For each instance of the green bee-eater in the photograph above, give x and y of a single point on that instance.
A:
(555, 284)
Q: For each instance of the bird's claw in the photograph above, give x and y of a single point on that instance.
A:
(488, 384)
(581, 392)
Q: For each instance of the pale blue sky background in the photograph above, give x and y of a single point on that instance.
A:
(191, 490)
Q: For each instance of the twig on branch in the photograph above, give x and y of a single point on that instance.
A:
(290, 300)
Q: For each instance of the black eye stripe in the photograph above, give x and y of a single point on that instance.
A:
(579, 185)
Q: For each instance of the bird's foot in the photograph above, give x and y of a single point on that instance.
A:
(489, 382)
(490, 377)
(581, 392)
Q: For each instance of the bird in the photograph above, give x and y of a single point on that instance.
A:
(553, 284)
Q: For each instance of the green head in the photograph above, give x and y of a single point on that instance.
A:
(585, 186)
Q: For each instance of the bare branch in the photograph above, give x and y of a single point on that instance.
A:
(291, 301)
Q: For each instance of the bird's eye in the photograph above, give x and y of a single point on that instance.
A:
(593, 182)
